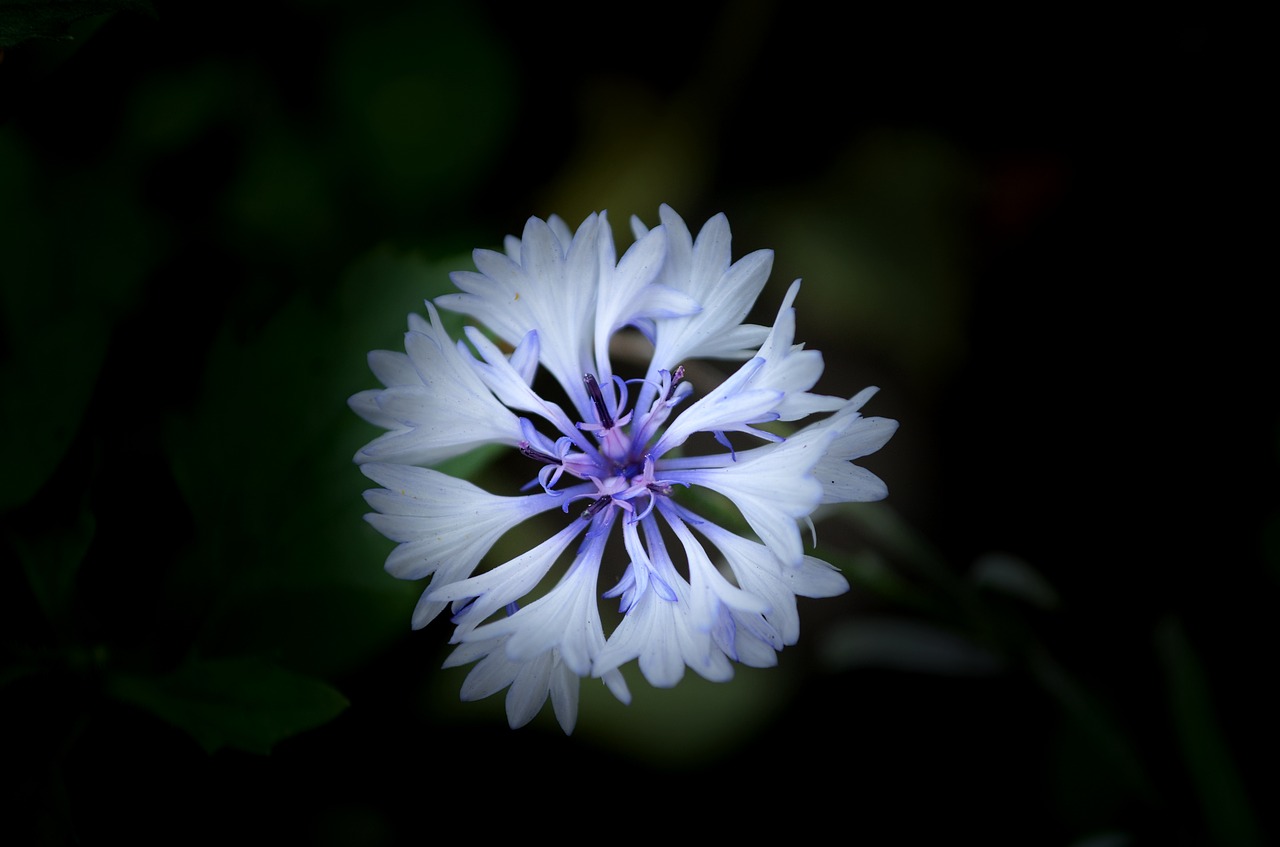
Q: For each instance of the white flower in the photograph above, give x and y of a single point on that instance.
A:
(556, 298)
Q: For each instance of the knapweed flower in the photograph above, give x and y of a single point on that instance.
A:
(614, 456)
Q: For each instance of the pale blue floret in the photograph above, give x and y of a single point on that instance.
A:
(556, 298)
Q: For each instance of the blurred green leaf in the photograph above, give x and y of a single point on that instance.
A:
(942, 587)
(167, 112)
(265, 462)
(377, 294)
(868, 569)
(901, 644)
(24, 20)
(280, 200)
(247, 703)
(15, 672)
(1229, 819)
(422, 97)
(886, 530)
(58, 306)
(470, 464)
(1095, 734)
(51, 556)
(1012, 576)
(637, 152)
(882, 248)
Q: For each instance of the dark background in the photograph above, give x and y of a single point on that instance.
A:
(1033, 233)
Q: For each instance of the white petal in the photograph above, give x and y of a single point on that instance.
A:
(510, 385)
(564, 685)
(492, 674)
(621, 287)
(731, 406)
(505, 584)
(528, 691)
(790, 368)
(755, 644)
(444, 412)
(773, 486)
(759, 571)
(709, 590)
(530, 682)
(863, 437)
(725, 292)
(561, 229)
(661, 634)
(856, 437)
(566, 618)
(551, 289)
(393, 368)
(711, 252)
(844, 482)
(468, 652)
(646, 633)
(442, 524)
(365, 404)
(816, 578)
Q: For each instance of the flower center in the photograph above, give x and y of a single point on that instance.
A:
(621, 469)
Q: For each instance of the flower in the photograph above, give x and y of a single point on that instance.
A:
(693, 593)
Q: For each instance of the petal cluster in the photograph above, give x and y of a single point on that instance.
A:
(611, 463)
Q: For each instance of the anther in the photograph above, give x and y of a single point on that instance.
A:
(529, 451)
(676, 376)
(595, 507)
(597, 397)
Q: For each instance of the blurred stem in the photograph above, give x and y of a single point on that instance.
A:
(870, 570)
(1227, 813)
(886, 531)
(1090, 715)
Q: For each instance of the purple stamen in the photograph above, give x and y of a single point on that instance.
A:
(676, 376)
(595, 507)
(597, 397)
(531, 452)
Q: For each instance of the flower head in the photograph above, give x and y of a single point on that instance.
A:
(611, 459)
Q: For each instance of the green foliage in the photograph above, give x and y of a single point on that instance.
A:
(52, 365)
(1228, 814)
(208, 222)
(280, 540)
(25, 20)
(1099, 766)
(51, 556)
(420, 101)
(179, 499)
(248, 703)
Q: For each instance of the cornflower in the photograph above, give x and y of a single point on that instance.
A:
(693, 593)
